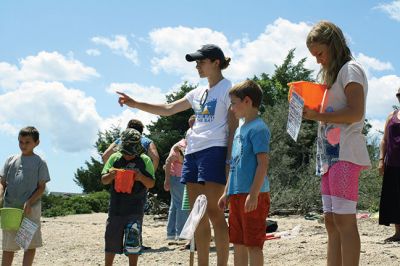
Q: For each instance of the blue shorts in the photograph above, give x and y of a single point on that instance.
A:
(207, 165)
(123, 234)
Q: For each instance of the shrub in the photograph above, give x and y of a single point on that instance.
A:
(77, 204)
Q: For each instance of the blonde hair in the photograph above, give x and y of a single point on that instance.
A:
(325, 32)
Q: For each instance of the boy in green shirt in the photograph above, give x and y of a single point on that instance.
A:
(126, 210)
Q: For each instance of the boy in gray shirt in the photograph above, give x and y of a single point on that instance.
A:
(23, 181)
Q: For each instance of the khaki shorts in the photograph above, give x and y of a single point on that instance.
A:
(8, 241)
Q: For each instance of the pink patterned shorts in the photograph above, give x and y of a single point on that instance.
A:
(339, 187)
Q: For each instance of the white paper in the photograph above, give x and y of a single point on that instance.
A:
(25, 233)
(295, 116)
(199, 208)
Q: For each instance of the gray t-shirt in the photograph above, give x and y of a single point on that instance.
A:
(22, 175)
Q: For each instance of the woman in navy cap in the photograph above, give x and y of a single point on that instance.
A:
(208, 146)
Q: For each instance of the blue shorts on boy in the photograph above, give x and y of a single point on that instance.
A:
(207, 165)
(22, 174)
(126, 209)
(250, 139)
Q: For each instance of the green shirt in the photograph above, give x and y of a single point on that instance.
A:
(122, 204)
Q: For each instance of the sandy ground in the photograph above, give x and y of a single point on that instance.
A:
(78, 240)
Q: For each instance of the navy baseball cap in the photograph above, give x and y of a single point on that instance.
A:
(210, 51)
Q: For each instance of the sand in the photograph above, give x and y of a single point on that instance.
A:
(79, 240)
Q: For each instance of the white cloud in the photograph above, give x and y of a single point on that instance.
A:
(370, 63)
(270, 48)
(377, 127)
(93, 52)
(392, 9)
(172, 44)
(250, 57)
(138, 92)
(8, 128)
(45, 66)
(68, 115)
(119, 45)
(382, 96)
(122, 119)
(9, 76)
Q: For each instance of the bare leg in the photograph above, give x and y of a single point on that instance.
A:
(29, 255)
(240, 255)
(213, 192)
(396, 236)
(256, 256)
(334, 243)
(8, 257)
(397, 232)
(350, 239)
(109, 258)
(133, 259)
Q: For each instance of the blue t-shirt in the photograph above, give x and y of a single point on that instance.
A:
(145, 141)
(250, 139)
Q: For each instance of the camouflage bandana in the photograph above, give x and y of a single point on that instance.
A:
(130, 142)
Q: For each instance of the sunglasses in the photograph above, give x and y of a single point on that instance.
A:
(203, 98)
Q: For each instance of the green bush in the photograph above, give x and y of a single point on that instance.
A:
(98, 201)
(78, 204)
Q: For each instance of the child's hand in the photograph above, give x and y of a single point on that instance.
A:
(125, 99)
(27, 208)
(223, 202)
(251, 203)
(113, 172)
(138, 175)
(310, 114)
(381, 167)
(166, 184)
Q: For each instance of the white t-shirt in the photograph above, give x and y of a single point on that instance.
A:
(211, 126)
(342, 142)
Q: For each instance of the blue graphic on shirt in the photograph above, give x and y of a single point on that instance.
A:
(206, 112)
(328, 146)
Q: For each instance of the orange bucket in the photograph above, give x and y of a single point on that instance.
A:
(312, 93)
(124, 180)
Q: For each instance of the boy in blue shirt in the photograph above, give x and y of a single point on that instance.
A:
(23, 181)
(126, 210)
(247, 189)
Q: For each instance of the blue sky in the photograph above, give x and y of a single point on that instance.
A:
(61, 61)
